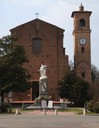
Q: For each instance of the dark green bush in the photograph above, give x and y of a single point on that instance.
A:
(4, 107)
(89, 105)
(96, 107)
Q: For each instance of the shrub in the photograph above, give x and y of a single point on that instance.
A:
(4, 107)
(96, 107)
(89, 105)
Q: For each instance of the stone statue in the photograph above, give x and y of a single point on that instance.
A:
(43, 71)
(43, 81)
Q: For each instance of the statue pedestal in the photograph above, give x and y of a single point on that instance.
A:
(43, 87)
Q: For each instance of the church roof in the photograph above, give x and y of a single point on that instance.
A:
(34, 21)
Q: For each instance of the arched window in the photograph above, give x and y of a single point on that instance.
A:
(82, 49)
(83, 74)
(37, 45)
(82, 22)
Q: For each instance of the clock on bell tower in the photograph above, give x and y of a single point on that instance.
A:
(82, 44)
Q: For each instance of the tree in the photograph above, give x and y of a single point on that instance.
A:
(66, 85)
(13, 77)
(94, 73)
(95, 84)
(96, 91)
(81, 92)
(73, 88)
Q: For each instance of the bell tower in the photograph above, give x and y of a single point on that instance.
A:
(82, 44)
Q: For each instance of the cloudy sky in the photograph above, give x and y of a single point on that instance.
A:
(57, 12)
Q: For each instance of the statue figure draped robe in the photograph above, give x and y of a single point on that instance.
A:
(43, 82)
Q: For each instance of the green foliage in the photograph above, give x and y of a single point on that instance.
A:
(96, 107)
(4, 107)
(73, 88)
(94, 73)
(89, 105)
(13, 77)
(80, 92)
(93, 77)
(92, 106)
(66, 85)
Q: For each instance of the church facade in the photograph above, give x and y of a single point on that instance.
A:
(43, 43)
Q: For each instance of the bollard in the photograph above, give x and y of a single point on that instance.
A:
(84, 111)
(16, 112)
(44, 112)
(23, 106)
(56, 112)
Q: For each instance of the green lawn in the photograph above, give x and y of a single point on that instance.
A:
(78, 111)
(75, 110)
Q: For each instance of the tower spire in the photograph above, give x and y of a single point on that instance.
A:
(81, 4)
(81, 8)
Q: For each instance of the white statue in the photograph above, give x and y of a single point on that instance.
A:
(42, 70)
(43, 81)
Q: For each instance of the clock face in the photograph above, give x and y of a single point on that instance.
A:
(82, 41)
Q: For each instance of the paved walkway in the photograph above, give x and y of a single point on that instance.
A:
(37, 119)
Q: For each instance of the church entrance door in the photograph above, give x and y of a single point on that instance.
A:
(35, 89)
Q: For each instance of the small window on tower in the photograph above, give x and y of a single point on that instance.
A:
(82, 49)
(36, 45)
(82, 22)
(83, 74)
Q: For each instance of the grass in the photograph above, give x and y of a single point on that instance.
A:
(75, 110)
(79, 111)
(92, 113)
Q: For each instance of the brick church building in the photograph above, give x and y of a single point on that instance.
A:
(43, 43)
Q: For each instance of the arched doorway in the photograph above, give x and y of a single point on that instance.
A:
(35, 89)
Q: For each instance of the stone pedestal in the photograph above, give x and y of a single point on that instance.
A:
(43, 87)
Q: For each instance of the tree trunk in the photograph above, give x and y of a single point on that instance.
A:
(1, 97)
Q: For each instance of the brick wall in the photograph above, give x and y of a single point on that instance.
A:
(52, 55)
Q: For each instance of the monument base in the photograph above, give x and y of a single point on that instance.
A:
(43, 87)
(41, 96)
